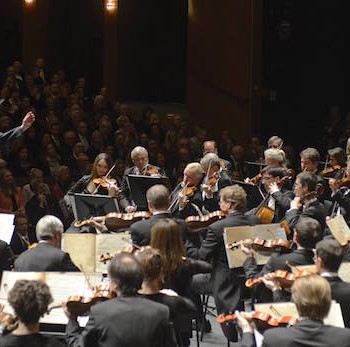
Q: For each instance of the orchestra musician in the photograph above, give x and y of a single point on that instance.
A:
(158, 200)
(211, 147)
(328, 258)
(337, 160)
(127, 320)
(30, 300)
(186, 198)
(307, 233)
(312, 297)
(275, 142)
(309, 161)
(47, 255)
(102, 164)
(139, 157)
(179, 306)
(279, 197)
(215, 179)
(306, 202)
(225, 284)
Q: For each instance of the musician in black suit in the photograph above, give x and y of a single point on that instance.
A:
(312, 297)
(306, 203)
(6, 257)
(309, 161)
(158, 199)
(139, 157)
(187, 198)
(14, 133)
(47, 255)
(211, 147)
(128, 319)
(215, 179)
(307, 234)
(224, 281)
(280, 197)
(328, 258)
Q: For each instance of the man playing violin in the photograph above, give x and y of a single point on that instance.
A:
(224, 281)
(186, 198)
(279, 197)
(211, 147)
(307, 233)
(337, 161)
(139, 157)
(215, 179)
(126, 320)
(312, 297)
(309, 161)
(306, 202)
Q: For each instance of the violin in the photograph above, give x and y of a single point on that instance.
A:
(259, 245)
(283, 277)
(200, 222)
(262, 321)
(79, 305)
(187, 192)
(106, 182)
(149, 170)
(328, 172)
(115, 221)
(256, 179)
(343, 182)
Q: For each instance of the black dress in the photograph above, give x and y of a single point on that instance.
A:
(33, 340)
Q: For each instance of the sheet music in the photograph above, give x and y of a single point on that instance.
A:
(339, 229)
(236, 257)
(334, 317)
(7, 227)
(81, 248)
(62, 285)
(109, 243)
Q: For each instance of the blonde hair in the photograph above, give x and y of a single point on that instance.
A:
(275, 154)
(236, 195)
(312, 297)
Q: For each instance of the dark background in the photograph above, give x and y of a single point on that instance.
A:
(305, 56)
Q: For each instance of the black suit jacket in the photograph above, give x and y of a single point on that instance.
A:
(276, 262)
(6, 257)
(141, 230)
(10, 135)
(189, 209)
(341, 294)
(134, 171)
(307, 333)
(212, 204)
(282, 203)
(126, 321)
(314, 210)
(226, 288)
(44, 257)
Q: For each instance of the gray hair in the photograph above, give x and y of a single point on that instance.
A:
(275, 154)
(47, 227)
(138, 150)
(211, 159)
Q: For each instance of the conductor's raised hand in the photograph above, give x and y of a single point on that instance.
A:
(27, 121)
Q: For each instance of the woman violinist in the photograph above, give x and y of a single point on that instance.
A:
(98, 183)
(337, 161)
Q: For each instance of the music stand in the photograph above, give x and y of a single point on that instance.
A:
(88, 205)
(254, 194)
(139, 185)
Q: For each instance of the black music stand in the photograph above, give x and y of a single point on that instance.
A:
(139, 185)
(254, 194)
(88, 205)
